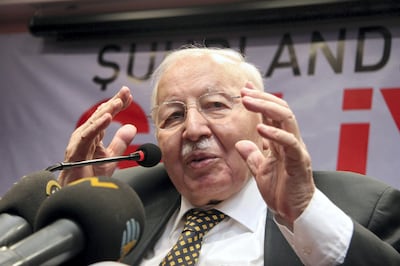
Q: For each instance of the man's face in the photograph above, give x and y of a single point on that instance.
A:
(215, 171)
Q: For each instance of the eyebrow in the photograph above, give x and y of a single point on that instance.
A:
(205, 90)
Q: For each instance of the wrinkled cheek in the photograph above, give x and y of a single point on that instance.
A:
(166, 144)
(170, 149)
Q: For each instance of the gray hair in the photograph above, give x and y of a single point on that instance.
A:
(250, 71)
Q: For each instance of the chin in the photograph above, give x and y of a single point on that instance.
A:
(204, 200)
(214, 202)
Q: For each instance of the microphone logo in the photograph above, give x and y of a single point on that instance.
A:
(52, 187)
(130, 236)
(95, 182)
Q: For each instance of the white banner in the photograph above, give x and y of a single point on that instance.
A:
(342, 81)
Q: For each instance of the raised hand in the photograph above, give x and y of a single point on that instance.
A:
(283, 169)
(86, 141)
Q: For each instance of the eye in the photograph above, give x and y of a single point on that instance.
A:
(215, 103)
(173, 119)
(171, 114)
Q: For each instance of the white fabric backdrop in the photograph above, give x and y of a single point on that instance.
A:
(47, 86)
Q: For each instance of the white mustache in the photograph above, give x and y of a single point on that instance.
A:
(202, 144)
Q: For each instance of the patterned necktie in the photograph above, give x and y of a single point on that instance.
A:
(187, 250)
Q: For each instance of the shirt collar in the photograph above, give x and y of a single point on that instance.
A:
(242, 207)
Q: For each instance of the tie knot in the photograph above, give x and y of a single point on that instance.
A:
(202, 220)
(187, 249)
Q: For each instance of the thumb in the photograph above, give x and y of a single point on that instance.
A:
(122, 138)
(251, 154)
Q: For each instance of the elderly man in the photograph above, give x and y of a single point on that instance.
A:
(234, 150)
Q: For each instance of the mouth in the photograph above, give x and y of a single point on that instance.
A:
(200, 159)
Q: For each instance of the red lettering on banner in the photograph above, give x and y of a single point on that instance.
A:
(354, 137)
(357, 99)
(353, 148)
(392, 99)
(134, 115)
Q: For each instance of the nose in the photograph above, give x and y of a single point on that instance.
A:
(196, 126)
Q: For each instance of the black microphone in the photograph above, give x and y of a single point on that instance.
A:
(90, 220)
(147, 155)
(19, 205)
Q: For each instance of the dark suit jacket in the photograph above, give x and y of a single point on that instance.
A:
(373, 206)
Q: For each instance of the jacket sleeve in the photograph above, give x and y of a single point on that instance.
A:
(378, 241)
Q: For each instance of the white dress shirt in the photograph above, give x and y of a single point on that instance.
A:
(322, 233)
(239, 238)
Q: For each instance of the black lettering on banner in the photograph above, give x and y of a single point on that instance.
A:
(361, 40)
(286, 42)
(103, 82)
(242, 45)
(150, 67)
(217, 42)
(318, 42)
(168, 46)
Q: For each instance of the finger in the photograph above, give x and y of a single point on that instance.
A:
(251, 154)
(295, 155)
(117, 103)
(251, 91)
(95, 130)
(291, 145)
(85, 139)
(269, 107)
(275, 110)
(265, 143)
(125, 96)
(121, 140)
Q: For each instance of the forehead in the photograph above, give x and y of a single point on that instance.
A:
(192, 76)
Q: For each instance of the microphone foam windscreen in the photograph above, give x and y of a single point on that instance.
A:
(25, 197)
(152, 155)
(108, 211)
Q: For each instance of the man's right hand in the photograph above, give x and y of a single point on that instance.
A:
(86, 141)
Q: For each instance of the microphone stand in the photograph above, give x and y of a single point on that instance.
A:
(136, 156)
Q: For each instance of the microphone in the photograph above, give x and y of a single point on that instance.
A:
(19, 205)
(90, 220)
(147, 155)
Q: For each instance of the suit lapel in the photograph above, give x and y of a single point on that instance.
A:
(277, 250)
